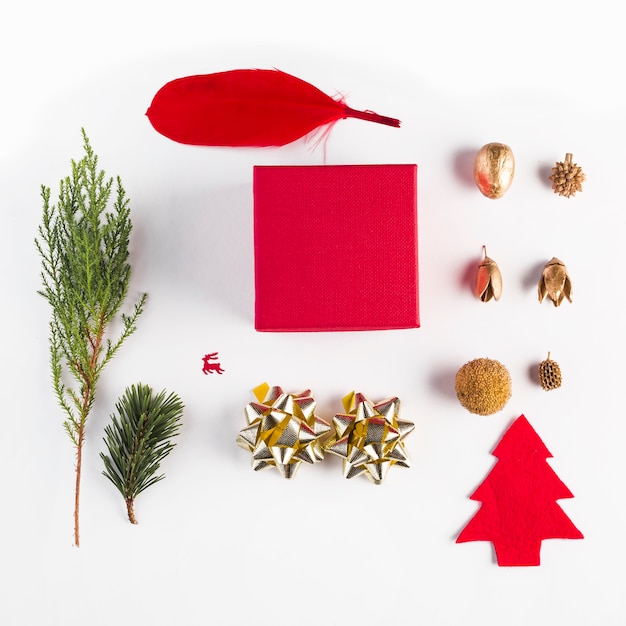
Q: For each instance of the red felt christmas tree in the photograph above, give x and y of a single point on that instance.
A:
(519, 496)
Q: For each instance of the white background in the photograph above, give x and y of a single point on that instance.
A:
(217, 543)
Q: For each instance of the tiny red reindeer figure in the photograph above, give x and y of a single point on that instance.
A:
(208, 367)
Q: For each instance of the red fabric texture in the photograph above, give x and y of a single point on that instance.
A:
(248, 107)
(335, 247)
(519, 496)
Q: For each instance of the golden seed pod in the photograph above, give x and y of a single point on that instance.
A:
(488, 279)
(550, 374)
(567, 177)
(555, 282)
(483, 386)
(494, 167)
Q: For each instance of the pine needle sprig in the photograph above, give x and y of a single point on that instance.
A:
(138, 439)
(84, 250)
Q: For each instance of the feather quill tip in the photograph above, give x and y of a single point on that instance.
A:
(370, 116)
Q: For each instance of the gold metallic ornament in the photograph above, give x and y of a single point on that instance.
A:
(483, 386)
(488, 279)
(282, 430)
(555, 282)
(369, 437)
(494, 167)
(550, 374)
(567, 177)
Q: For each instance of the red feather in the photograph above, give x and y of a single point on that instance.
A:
(246, 108)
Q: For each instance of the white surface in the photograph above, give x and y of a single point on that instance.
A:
(218, 543)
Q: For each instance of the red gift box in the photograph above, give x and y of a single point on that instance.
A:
(335, 247)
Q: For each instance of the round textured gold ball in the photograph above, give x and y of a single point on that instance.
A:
(483, 386)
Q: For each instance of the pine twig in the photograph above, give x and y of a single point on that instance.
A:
(138, 439)
(84, 250)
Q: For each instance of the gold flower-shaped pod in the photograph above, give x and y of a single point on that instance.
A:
(369, 437)
(282, 430)
(555, 282)
(488, 279)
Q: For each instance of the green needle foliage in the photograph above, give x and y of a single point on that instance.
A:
(139, 439)
(85, 274)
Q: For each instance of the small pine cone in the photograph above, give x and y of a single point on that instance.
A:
(550, 374)
(567, 177)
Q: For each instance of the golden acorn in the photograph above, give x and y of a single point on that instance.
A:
(483, 386)
(567, 177)
(494, 167)
(550, 374)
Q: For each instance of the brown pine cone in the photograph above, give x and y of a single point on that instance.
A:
(567, 177)
(550, 374)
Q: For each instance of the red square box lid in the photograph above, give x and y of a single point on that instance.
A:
(335, 247)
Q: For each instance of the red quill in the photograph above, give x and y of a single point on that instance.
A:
(246, 108)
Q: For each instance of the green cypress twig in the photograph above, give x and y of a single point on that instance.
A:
(85, 275)
(139, 439)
